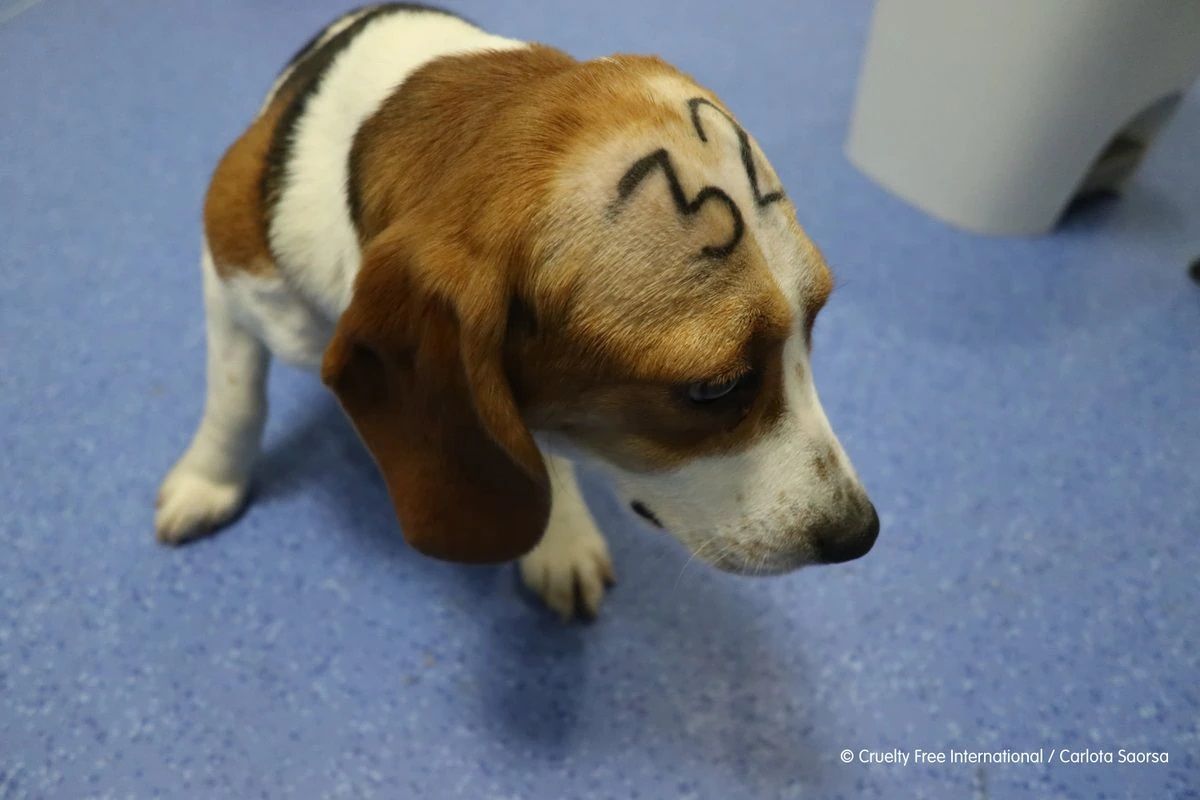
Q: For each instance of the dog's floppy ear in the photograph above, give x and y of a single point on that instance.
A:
(417, 363)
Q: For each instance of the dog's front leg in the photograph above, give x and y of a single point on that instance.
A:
(207, 486)
(572, 558)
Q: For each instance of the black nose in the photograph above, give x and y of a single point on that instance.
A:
(841, 544)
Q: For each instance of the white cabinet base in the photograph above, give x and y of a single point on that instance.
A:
(994, 114)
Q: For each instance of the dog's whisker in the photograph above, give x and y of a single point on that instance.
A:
(696, 552)
(688, 561)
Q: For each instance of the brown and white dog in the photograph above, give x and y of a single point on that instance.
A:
(504, 260)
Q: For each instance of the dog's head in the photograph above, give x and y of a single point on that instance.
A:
(625, 276)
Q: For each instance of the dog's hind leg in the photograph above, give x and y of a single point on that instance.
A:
(207, 486)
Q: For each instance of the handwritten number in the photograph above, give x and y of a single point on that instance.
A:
(661, 159)
(760, 199)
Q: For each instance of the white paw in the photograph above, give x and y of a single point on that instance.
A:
(191, 505)
(567, 565)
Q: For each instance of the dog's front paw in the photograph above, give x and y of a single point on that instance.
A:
(569, 565)
(191, 505)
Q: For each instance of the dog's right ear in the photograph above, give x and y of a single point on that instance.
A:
(417, 363)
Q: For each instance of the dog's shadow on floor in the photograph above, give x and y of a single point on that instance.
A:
(693, 676)
(320, 456)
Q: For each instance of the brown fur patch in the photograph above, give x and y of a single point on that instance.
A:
(817, 292)
(824, 464)
(422, 379)
(235, 224)
(463, 148)
(648, 423)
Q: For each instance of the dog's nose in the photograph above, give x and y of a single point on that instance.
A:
(839, 544)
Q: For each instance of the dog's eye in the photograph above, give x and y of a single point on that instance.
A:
(708, 391)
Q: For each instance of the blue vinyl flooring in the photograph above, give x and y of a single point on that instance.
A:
(1025, 412)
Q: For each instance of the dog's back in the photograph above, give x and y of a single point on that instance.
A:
(280, 200)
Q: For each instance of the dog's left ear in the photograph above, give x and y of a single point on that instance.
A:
(417, 363)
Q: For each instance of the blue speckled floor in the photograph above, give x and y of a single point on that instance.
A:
(1026, 414)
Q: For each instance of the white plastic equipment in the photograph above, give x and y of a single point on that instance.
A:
(993, 114)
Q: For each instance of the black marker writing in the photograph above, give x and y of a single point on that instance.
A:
(743, 144)
(661, 159)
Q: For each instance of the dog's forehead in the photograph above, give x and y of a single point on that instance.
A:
(675, 200)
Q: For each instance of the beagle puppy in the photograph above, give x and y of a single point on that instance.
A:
(502, 261)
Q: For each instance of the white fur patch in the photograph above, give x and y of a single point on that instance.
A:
(336, 27)
(311, 232)
(749, 511)
(190, 505)
(271, 309)
(208, 484)
(572, 557)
